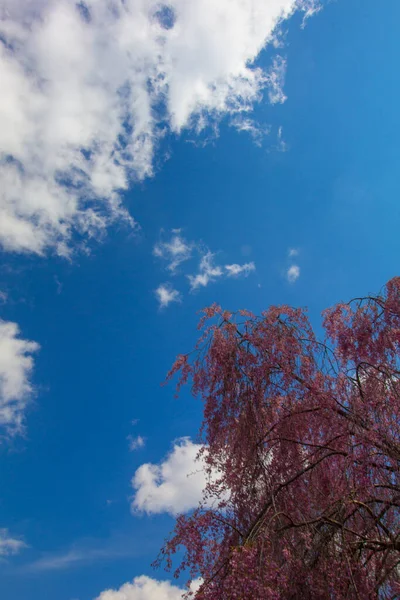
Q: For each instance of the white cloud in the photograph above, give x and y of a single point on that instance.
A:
(207, 272)
(146, 588)
(243, 123)
(235, 270)
(178, 250)
(293, 252)
(175, 252)
(276, 80)
(293, 273)
(281, 145)
(176, 485)
(16, 364)
(135, 442)
(87, 93)
(9, 545)
(166, 294)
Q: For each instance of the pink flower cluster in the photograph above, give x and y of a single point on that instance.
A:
(305, 435)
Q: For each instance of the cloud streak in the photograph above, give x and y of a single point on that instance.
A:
(85, 552)
(70, 559)
(9, 545)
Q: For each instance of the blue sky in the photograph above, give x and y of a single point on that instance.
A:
(317, 174)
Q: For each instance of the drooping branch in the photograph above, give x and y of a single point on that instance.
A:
(305, 437)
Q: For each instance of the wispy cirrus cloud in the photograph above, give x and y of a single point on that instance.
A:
(90, 88)
(276, 80)
(85, 552)
(9, 545)
(69, 559)
(246, 124)
(74, 558)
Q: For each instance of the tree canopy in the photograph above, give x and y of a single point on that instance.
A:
(302, 447)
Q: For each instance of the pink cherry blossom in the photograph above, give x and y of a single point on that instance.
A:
(305, 436)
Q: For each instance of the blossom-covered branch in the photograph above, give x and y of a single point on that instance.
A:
(305, 437)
